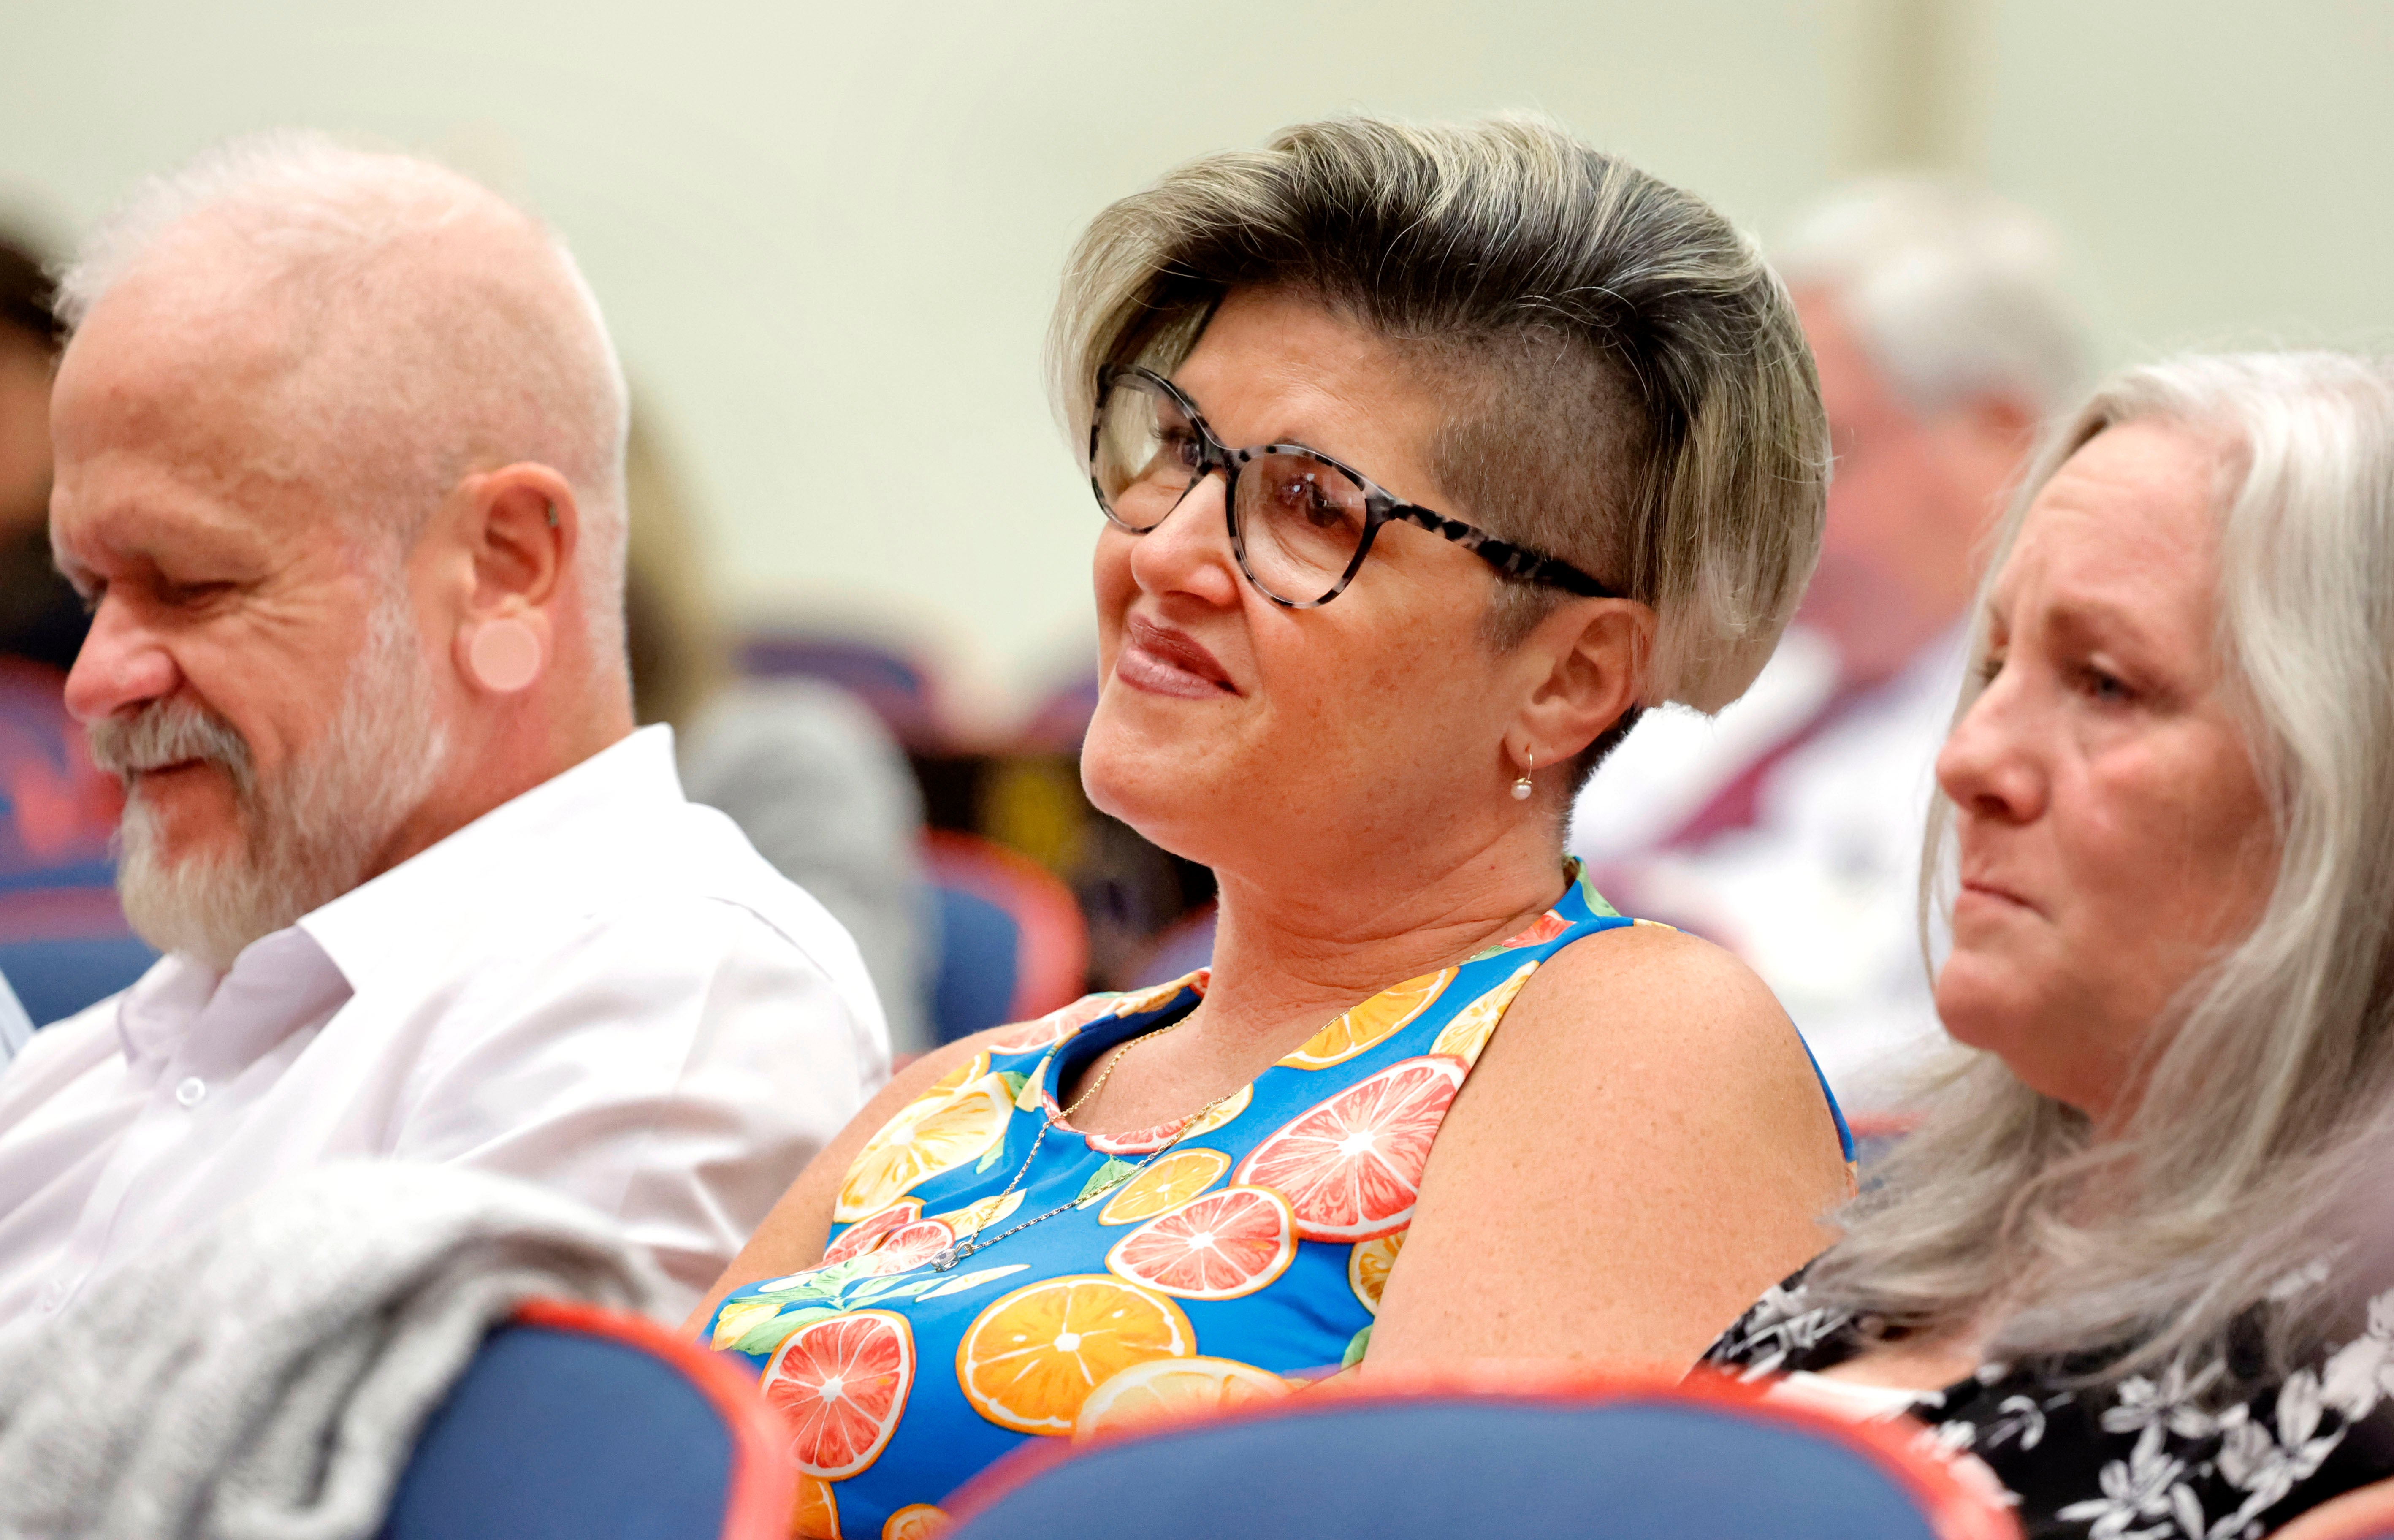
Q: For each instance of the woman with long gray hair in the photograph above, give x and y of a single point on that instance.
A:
(2120, 1263)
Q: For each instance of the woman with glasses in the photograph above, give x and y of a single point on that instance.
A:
(1428, 456)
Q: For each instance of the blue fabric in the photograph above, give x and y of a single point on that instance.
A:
(981, 946)
(56, 979)
(1634, 1472)
(556, 1435)
(868, 1350)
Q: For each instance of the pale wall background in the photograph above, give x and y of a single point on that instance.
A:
(828, 236)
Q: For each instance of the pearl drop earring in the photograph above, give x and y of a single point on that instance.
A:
(1521, 788)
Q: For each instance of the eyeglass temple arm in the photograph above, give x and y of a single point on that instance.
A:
(1513, 561)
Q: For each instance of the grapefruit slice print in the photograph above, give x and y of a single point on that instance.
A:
(1352, 1166)
(1220, 1246)
(843, 1382)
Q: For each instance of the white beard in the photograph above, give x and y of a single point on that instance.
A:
(309, 833)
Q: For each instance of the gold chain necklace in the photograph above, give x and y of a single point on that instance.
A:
(966, 1244)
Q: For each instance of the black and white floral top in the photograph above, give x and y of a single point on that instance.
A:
(2170, 1458)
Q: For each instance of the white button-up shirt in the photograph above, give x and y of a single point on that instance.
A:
(599, 986)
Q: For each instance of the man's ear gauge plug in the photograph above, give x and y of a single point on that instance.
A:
(504, 655)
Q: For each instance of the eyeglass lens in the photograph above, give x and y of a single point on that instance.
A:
(1298, 519)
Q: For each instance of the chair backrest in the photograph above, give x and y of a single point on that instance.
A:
(578, 1423)
(1877, 1133)
(1605, 1457)
(1012, 942)
(63, 940)
(894, 683)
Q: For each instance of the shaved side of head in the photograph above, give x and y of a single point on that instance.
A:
(416, 328)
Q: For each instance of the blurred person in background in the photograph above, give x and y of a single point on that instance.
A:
(1787, 828)
(339, 469)
(2118, 1265)
(63, 940)
(1435, 1098)
(41, 619)
(811, 776)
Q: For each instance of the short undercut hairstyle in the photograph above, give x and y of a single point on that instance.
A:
(1631, 390)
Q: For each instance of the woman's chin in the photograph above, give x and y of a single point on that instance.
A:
(1165, 793)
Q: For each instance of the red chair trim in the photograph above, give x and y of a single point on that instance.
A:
(763, 1483)
(1953, 1510)
(1053, 969)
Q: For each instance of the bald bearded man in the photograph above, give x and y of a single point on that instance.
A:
(340, 447)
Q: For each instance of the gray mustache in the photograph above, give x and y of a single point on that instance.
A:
(171, 733)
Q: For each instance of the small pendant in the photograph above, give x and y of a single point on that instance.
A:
(950, 1255)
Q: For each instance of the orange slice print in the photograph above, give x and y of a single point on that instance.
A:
(871, 1230)
(1220, 1246)
(1146, 1141)
(1164, 1389)
(1475, 1023)
(929, 1135)
(1352, 1166)
(963, 1074)
(843, 1382)
(1368, 1024)
(815, 1516)
(916, 1521)
(1167, 1184)
(1367, 1266)
(1029, 1362)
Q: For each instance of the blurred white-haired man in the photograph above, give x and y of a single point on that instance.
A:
(1789, 825)
(339, 448)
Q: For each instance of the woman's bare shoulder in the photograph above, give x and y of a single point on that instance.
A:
(1642, 977)
(1654, 1021)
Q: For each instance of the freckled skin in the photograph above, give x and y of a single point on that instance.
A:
(2114, 831)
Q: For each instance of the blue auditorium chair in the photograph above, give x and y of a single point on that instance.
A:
(63, 940)
(897, 686)
(1482, 1453)
(1012, 942)
(578, 1423)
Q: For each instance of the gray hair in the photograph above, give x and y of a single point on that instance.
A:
(2271, 1078)
(1953, 291)
(479, 364)
(1633, 392)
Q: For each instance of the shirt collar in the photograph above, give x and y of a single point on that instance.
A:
(161, 1005)
(278, 984)
(520, 858)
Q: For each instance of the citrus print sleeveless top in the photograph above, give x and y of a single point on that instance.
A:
(952, 1321)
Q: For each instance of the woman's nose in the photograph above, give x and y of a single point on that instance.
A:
(1189, 552)
(120, 666)
(1989, 765)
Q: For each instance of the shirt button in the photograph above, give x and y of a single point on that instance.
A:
(191, 1092)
